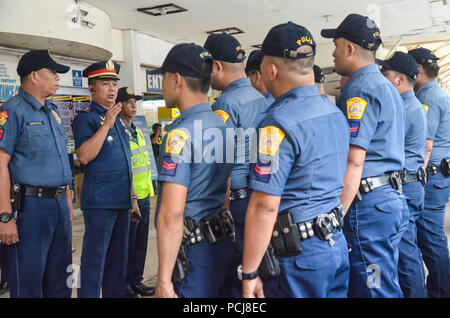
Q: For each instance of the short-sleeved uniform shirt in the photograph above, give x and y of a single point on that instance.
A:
(193, 155)
(415, 132)
(33, 135)
(303, 149)
(241, 106)
(107, 178)
(376, 116)
(437, 106)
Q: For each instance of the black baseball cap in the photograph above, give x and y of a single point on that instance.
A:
(254, 61)
(358, 29)
(402, 63)
(38, 59)
(225, 47)
(319, 77)
(423, 56)
(186, 59)
(102, 70)
(126, 93)
(285, 39)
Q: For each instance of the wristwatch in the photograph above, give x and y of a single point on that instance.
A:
(5, 217)
(134, 197)
(246, 276)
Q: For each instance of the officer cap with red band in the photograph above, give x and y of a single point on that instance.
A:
(102, 70)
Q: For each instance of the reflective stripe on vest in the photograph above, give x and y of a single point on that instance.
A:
(140, 163)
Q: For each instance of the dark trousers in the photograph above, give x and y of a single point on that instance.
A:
(137, 250)
(4, 268)
(40, 263)
(105, 253)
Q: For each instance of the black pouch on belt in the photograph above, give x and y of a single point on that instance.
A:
(286, 237)
(17, 197)
(212, 228)
(269, 267)
(445, 167)
(181, 265)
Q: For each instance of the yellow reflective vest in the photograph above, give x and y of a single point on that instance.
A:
(140, 163)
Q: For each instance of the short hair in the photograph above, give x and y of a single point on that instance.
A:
(301, 65)
(196, 84)
(411, 81)
(431, 70)
(156, 126)
(366, 54)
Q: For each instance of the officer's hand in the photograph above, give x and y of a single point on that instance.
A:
(111, 115)
(252, 288)
(136, 215)
(164, 290)
(8, 233)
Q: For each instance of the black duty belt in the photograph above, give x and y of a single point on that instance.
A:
(443, 168)
(419, 176)
(410, 178)
(44, 192)
(367, 185)
(434, 170)
(238, 194)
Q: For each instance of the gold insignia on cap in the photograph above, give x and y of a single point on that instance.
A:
(305, 39)
(204, 54)
(49, 54)
(129, 91)
(110, 65)
(239, 48)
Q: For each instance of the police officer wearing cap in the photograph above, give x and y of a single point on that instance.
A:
(292, 187)
(192, 182)
(319, 79)
(243, 108)
(401, 70)
(253, 71)
(34, 164)
(140, 162)
(103, 148)
(430, 227)
(376, 116)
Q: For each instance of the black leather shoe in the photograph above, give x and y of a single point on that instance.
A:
(143, 290)
(132, 294)
(4, 288)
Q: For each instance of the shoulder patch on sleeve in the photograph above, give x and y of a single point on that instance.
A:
(426, 107)
(169, 167)
(356, 107)
(262, 171)
(1, 133)
(354, 127)
(223, 114)
(3, 118)
(270, 140)
(176, 139)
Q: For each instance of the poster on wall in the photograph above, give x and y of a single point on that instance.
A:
(9, 81)
(141, 123)
(69, 106)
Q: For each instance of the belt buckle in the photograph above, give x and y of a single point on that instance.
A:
(367, 185)
(60, 191)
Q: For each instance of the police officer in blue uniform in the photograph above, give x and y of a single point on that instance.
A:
(377, 218)
(292, 186)
(402, 70)
(253, 71)
(430, 227)
(243, 108)
(34, 162)
(193, 179)
(103, 148)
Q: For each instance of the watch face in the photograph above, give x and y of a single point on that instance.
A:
(5, 217)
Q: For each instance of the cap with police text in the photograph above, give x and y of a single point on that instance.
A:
(423, 56)
(126, 93)
(357, 29)
(225, 48)
(186, 59)
(254, 61)
(37, 59)
(319, 77)
(102, 70)
(285, 39)
(402, 63)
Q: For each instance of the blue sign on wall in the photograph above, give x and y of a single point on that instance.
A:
(77, 79)
(154, 82)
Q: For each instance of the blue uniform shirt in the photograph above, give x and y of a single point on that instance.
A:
(269, 98)
(303, 149)
(241, 106)
(437, 106)
(34, 136)
(107, 178)
(376, 117)
(187, 158)
(415, 132)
